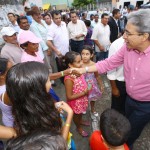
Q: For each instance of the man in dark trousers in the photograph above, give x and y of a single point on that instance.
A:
(114, 25)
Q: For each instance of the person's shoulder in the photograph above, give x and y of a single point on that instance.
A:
(68, 77)
(6, 48)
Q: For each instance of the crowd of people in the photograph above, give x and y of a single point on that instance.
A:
(40, 48)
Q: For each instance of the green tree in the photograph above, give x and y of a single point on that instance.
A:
(81, 3)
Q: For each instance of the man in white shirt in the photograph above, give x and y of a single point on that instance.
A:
(101, 38)
(58, 38)
(96, 21)
(77, 31)
(13, 22)
(117, 81)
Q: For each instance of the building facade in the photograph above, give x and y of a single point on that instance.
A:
(123, 3)
(59, 4)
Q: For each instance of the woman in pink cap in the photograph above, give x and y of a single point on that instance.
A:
(30, 43)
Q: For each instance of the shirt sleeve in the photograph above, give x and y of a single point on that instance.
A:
(84, 29)
(50, 34)
(68, 28)
(112, 62)
(94, 34)
(7, 56)
(37, 33)
(111, 75)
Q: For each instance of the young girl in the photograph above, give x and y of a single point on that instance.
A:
(92, 79)
(76, 91)
(30, 43)
(5, 105)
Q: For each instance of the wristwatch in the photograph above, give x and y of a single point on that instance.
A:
(86, 69)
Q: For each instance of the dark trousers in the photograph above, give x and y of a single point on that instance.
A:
(101, 56)
(76, 46)
(138, 114)
(118, 103)
(59, 67)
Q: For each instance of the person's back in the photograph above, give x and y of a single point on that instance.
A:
(114, 132)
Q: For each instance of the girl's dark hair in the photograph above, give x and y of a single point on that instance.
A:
(89, 48)
(24, 45)
(32, 107)
(37, 140)
(3, 65)
(69, 58)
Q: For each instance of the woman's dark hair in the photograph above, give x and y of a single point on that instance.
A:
(32, 107)
(89, 48)
(3, 65)
(69, 58)
(115, 127)
(37, 140)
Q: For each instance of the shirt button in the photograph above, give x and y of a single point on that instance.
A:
(136, 68)
(133, 78)
(130, 86)
(139, 58)
(146, 54)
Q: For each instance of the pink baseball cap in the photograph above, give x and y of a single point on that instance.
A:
(28, 36)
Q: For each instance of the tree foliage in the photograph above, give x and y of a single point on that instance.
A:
(81, 3)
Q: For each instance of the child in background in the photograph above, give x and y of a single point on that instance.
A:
(92, 79)
(88, 40)
(5, 105)
(30, 43)
(5, 65)
(76, 91)
(114, 132)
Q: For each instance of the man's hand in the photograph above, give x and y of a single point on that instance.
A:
(101, 48)
(115, 92)
(59, 54)
(49, 52)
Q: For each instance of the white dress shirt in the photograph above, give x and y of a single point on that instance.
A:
(59, 36)
(75, 29)
(15, 26)
(102, 34)
(116, 74)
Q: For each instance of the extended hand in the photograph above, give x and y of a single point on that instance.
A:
(115, 92)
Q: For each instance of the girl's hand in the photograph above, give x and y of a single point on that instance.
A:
(102, 88)
(64, 106)
(78, 71)
(88, 89)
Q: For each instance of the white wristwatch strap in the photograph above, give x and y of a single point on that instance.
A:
(86, 69)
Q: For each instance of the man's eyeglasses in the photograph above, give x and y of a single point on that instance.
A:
(130, 34)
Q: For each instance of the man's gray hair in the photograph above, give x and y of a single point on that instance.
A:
(141, 19)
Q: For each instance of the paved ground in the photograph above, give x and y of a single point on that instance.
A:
(143, 143)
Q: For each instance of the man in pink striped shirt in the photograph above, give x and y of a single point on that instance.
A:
(135, 56)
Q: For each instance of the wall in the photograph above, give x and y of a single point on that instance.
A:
(38, 3)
